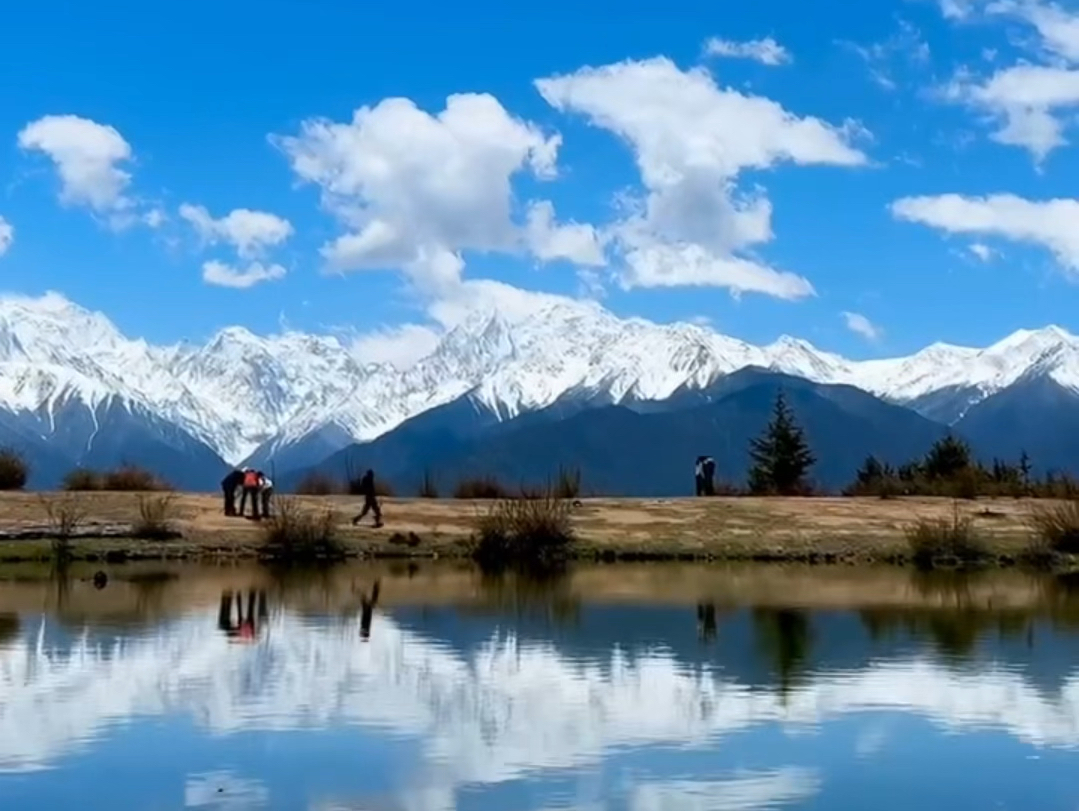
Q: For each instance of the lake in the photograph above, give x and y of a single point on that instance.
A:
(648, 688)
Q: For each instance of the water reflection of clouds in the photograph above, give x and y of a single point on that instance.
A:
(224, 791)
(494, 715)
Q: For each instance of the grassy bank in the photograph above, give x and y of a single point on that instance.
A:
(820, 530)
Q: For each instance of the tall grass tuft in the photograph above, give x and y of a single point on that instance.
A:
(298, 535)
(944, 540)
(14, 470)
(528, 533)
(155, 518)
(1056, 527)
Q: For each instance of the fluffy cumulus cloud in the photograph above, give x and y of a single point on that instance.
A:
(249, 232)
(766, 51)
(400, 346)
(7, 235)
(693, 225)
(416, 190)
(221, 274)
(860, 325)
(89, 157)
(1033, 102)
(1050, 224)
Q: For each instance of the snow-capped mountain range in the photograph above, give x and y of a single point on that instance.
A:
(243, 394)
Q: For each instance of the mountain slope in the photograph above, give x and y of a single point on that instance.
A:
(623, 452)
(1038, 415)
(285, 401)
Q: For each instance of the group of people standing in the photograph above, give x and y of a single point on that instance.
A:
(251, 484)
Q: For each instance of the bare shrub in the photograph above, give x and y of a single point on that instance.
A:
(428, 487)
(14, 470)
(133, 479)
(319, 484)
(83, 479)
(480, 487)
(64, 514)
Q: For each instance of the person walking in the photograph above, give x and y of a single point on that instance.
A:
(370, 503)
(250, 490)
(266, 492)
(229, 485)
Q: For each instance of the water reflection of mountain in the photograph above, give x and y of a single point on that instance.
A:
(1037, 647)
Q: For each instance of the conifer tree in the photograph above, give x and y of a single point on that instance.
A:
(781, 456)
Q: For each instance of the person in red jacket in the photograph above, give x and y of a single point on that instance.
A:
(251, 486)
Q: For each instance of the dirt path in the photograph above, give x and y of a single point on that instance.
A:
(783, 528)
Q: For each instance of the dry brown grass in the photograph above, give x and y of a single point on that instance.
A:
(1056, 526)
(528, 532)
(298, 534)
(156, 514)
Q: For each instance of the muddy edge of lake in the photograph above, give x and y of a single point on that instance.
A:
(815, 530)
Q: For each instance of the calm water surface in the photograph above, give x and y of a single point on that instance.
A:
(643, 688)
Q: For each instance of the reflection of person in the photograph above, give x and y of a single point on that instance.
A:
(706, 621)
(367, 608)
(247, 624)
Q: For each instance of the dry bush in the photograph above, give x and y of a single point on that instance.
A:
(945, 540)
(524, 532)
(296, 534)
(480, 487)
(319, 484)
(14, 470)
(82, 478)
(1056, 527)
(568, 483)
(133, 479)
(155, 518)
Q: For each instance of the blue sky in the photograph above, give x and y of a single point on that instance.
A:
(907, 162)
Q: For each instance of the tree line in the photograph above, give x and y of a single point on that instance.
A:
(782, 461)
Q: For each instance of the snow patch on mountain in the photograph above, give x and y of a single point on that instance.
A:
(240, 391)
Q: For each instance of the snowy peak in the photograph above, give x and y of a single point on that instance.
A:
(240, 391)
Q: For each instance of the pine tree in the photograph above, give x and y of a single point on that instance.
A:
(947, 458)
(1024, 470)
(781, 457)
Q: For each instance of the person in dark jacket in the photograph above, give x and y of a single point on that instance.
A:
(370, 503)
(708, 469)
(229, 485)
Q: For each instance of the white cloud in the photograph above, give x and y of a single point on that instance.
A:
(7, 235)
(860, 325)
(400, 346)
(1051, 224)
(223, 275)
(575, 242)
(155, 218)
(1031, 102)
(418, 189)
(766, 51)
(87, 156)
(748, 791)
(249, 232)
(906, 44)
(982, 251)
(691, 140)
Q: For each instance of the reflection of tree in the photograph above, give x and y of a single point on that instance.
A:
(523, 593)
(784, 637)
(9, 628)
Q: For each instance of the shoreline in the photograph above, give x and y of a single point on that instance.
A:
(830, 531)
